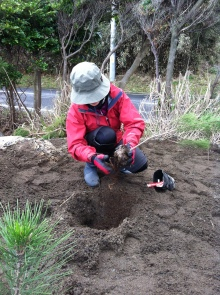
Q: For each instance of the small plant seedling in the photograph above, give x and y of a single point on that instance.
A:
(32, 257)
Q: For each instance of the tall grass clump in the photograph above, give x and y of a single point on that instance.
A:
(203, 128)
(31, 256)
(20, 131)
(56, 128)
(186, 115)
(53, 125)
(197, 143)
(62, 101)
(49, 124)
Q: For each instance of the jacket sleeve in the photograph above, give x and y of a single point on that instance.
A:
(76, 130)
(134, 124)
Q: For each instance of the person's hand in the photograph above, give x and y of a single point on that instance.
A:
(99, 160)
(131, 155)
(125, 154)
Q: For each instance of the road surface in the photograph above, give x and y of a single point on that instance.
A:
(27, 95)
(49, 96)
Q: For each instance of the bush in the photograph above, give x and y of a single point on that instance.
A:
(207, 123)
(198, 143)
(56, 129)
(186, 116)
(21, 132)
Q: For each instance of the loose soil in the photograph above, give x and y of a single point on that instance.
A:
(129, 239)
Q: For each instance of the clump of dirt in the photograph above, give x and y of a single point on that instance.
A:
(120, 158)
(129, 239)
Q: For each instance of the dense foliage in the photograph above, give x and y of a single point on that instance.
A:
(32, 32)
(28, 33)
(158, 38)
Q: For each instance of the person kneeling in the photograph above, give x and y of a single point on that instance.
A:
(94, 123)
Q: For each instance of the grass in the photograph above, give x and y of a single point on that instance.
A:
(190, 114)
(197, 143)
(138, 83)
(20, 131)
(207, 123)
(56, 129)
(48, 81)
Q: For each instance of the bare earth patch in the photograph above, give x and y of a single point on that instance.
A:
(129, 238)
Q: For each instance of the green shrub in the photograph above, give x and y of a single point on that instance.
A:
(8, 74)
(56, 129)
(207, 124)
(213, 70)
(197, 143)
(21, 132)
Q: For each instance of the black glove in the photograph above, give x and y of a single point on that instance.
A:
(99, 161)
(131, 154)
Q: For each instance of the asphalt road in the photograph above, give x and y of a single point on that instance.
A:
(27, 96)
(49, 95)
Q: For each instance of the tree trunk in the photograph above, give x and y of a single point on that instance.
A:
(215, 83)
(192, 17)
(65, 69)
(156, 61)
(141, 54)
(37, 92)
(10, 97)
(171, 59)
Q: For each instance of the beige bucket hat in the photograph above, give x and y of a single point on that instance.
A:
(89, 85)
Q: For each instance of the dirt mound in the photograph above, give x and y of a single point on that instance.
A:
(129, 238)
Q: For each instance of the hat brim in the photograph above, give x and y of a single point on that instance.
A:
(85, 97)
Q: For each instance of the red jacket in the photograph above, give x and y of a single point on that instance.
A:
(122, 116)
